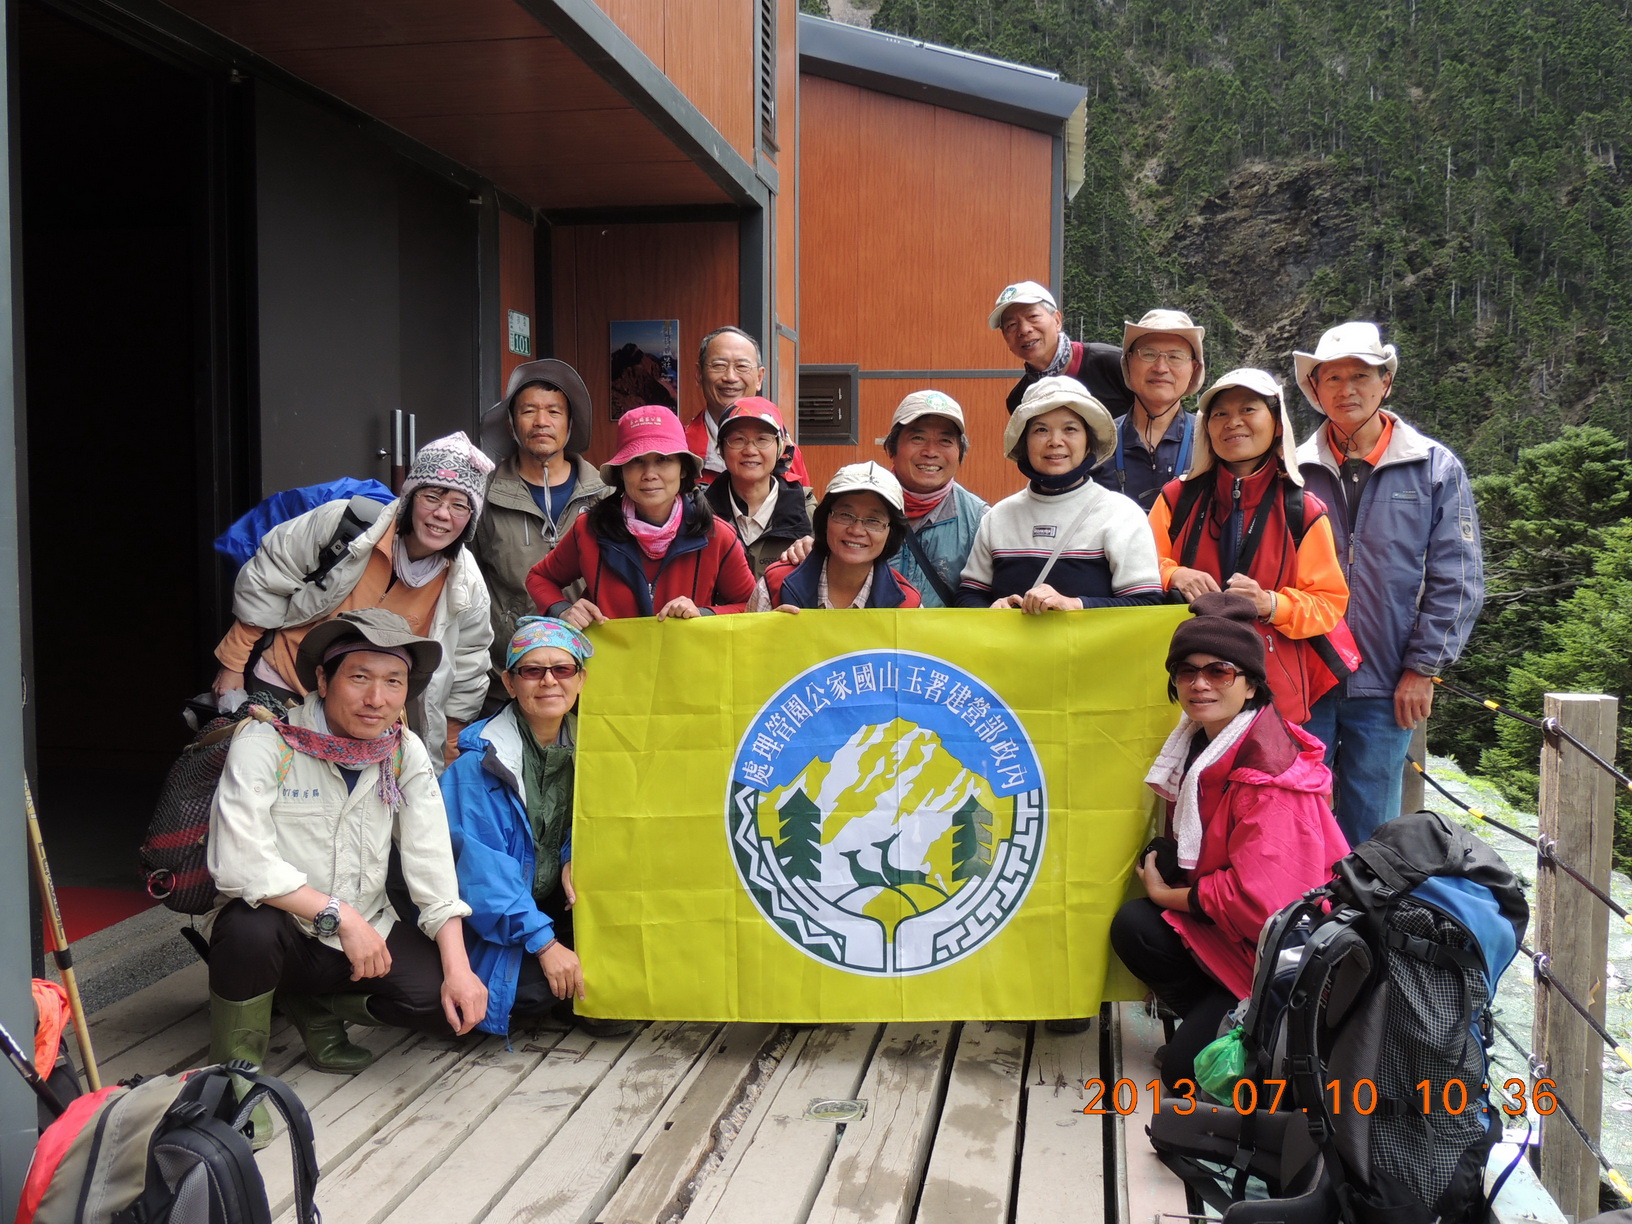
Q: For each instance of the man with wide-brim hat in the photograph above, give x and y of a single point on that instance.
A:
(301, 831)
(1033, 328)
(537, 435)
(1163, 363)
(1407, 533)
(1062, 543)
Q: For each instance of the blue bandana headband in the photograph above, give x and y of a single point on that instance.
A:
(535, 631)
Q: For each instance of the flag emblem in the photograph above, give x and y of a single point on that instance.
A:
(886, 812)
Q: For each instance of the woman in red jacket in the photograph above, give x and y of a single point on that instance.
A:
(1239, 520)
(654, 550)
(1249, 824)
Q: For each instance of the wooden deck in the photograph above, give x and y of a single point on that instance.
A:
(705, 1123)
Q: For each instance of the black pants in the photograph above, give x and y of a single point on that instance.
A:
(533, 993)
(257, 949)
(1156, 954)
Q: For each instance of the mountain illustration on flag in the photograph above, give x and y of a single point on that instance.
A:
(891, 826)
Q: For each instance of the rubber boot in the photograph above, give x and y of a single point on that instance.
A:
(241, 1031)
(321, 1022)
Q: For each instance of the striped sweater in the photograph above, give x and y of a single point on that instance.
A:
(1109, 560)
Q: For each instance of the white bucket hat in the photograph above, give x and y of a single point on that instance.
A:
(1259, 382)
(927, 403)
(1356, 339)
(866, 477)
(1022, 293)
(1169, 322)
(1047, 394)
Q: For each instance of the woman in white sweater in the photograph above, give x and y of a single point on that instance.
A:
(1063, 542)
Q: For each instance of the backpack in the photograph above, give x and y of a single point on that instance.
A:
(166, 1150)
(366, 498)
(174, 852)
(1375, 983)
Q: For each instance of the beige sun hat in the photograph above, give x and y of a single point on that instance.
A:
(1354, 339)
(1171, 322)
(370, 628)
(1259, 382)
(1047, 394)
(866, 477)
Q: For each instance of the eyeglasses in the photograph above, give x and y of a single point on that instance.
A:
(456, 506)
(1219, 674)
(533, 673)
(845, 519)
(745, 369)
(1151, 356)
(741, 440)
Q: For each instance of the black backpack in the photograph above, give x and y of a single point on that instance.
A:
(167, 1150)
(1364, 989)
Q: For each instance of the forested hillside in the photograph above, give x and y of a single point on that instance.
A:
(1454, 169)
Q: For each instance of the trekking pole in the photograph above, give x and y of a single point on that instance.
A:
(36, 1081)
(59, 940)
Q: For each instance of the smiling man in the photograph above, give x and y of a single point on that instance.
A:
(1163, 361)
(729, 367)
(1407, 535)
(537, 435)
(927, 445)
(1034, 329)
(301, 832)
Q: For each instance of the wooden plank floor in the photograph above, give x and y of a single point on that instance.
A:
(965, 1123)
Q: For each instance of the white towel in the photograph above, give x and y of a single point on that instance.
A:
(1169, 779)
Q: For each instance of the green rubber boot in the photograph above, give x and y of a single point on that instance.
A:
(321, 1022)
(242, 1030)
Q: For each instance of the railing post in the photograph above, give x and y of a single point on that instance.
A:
(1577, 812)
(1412, 788)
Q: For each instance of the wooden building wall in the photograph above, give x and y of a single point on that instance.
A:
(706, 47)
(601, 273)
(902, 251)
(517, 289)
(785, 262)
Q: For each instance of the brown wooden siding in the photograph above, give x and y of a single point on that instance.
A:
(613, 272)
(516, 286)
(786, 301)
(706, 47)
(912, 219)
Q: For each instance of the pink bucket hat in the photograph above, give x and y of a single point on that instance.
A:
(646, 429)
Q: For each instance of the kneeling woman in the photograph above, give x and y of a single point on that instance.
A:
(1247, 804)
(509, 801)
(861, 520)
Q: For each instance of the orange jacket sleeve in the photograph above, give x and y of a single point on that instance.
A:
(233, 652)
(1161, 525)
(1321, 595)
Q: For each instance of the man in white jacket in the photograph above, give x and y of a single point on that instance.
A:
(301, 832)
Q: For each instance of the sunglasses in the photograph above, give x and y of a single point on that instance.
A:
(1218, 674)
(534, 672)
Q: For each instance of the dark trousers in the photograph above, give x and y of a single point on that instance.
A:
(1156, 954)
(533, 993)
(257, 949)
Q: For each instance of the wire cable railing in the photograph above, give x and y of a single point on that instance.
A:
(1550, 727)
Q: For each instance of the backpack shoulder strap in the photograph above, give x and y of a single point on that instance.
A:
(916, 547)
(1292, 501)
(1190, 492)
(360, 514)
(1187, 445)
(298, 1123)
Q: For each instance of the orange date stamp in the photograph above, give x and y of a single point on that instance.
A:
(1361, 1097)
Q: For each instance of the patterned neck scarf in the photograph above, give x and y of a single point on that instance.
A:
(654, 539)
(1062, 357)
(351, 754)
(920, 504)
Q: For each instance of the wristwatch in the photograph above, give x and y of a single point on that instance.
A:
(327, 920)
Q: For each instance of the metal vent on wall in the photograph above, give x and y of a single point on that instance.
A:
(767, 74)
(827, 405)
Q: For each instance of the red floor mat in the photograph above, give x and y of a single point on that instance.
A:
(86, 911)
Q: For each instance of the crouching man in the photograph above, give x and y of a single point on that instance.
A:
(300, 836)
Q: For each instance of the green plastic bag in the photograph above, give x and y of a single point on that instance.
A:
(1220, 1065)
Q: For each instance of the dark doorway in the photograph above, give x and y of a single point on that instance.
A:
(120, 421)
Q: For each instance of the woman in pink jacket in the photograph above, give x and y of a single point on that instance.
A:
(1249, 826)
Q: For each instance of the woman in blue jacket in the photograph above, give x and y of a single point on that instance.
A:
(509, 801)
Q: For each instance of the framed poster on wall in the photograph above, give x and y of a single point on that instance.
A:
(645, 365)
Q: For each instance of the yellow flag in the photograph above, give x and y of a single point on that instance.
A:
(864, 815)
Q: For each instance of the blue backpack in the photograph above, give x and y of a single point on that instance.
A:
(366, 497)
(1364, 990)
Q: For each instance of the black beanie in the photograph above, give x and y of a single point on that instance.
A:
(1222, 624)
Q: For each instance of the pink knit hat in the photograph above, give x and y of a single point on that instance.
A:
(647, 429)
(452, 462)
